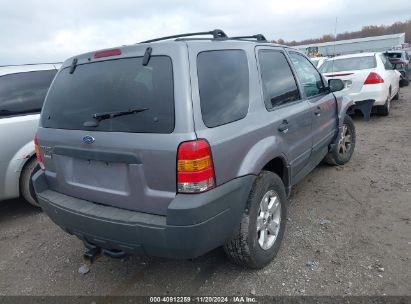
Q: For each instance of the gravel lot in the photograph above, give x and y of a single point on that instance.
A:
(348, 233)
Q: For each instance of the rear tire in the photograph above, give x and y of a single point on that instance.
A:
(26, 186)
(257, 240)
(385, 109)
(344, 144)
(397, 96)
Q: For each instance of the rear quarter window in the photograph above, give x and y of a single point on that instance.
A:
(223, 79)
(24, 93)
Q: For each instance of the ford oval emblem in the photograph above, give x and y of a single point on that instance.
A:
(88, 139)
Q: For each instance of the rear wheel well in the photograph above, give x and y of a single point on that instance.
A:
(28, 160)
(277, 165)
(26, 187)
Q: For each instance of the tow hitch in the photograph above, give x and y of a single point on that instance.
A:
(92, 254)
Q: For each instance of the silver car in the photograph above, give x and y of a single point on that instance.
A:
(22, 92)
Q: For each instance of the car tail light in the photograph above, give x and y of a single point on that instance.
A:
(195, 170)
(107, 53)
(38, 152)
(373, 78)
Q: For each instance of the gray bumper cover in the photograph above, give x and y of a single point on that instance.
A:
(194, 225)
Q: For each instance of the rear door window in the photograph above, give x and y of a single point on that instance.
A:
(24, 93)
(113, 86)
(279, 85)
(224, 86)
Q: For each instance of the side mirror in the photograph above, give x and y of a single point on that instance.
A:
(335, 85)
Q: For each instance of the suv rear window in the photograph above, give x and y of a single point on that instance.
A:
(224, 86)
(24, 93)
(112, 86)
(393, 55)
(349, 64)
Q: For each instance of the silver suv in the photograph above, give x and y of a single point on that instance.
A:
(173, 148)
(22, 92)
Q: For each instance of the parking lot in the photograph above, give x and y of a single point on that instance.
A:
(348, 233)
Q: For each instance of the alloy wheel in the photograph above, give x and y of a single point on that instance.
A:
(268, 220)
(345, 142)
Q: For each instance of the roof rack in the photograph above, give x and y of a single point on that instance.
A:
(23, 64)
(258, 37)
(217, 34)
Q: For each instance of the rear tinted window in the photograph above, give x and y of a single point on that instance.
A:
(224, 85)
(393, 55)
(24, 93)
(349, 64)
(111, 86)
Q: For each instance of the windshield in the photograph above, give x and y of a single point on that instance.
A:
(348, 64)
(112, 86)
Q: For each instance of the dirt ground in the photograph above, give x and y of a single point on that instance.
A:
(348, 233)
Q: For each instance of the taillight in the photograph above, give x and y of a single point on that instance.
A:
(195, 170)
(38, 153)
(373, 78)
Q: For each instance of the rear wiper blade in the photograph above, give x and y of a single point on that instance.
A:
(109, 115)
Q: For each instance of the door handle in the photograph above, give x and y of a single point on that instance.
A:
(317, 112)
(283, 127)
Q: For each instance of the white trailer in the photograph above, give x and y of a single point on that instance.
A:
(352, 46)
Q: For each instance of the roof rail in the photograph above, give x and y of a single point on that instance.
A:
(22, 64)
(217, 34)
(258, 37)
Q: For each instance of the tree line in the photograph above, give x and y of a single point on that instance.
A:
(366, 31)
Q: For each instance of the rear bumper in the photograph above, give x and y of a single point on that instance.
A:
(194, 225)
(376, 92)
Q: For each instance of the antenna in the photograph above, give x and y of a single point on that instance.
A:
(335, 40)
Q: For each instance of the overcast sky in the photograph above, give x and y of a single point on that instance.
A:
(53, 30)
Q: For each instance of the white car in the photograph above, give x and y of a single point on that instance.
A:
(367, 76)
(318, 61)
(22, 92)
